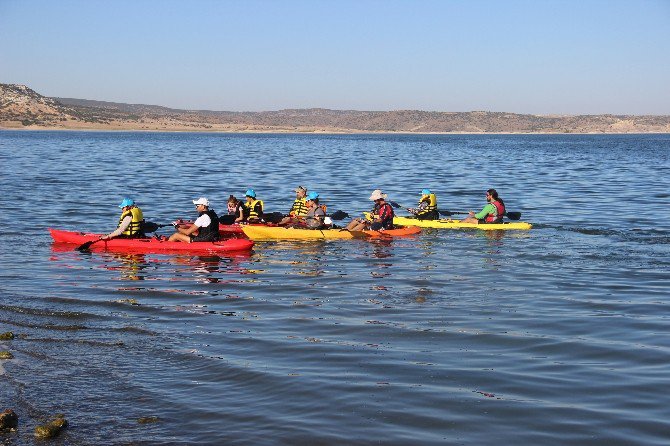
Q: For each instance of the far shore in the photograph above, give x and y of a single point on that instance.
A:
(305, 131)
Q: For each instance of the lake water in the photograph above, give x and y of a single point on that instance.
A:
(558, 335)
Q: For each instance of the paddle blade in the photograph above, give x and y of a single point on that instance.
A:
(339, 215)
(85, 246)
(445, 213)
(513, 215)
(273, 217)
(394, 204)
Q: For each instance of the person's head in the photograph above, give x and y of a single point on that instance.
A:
(425, 195)
(377, 196)
(312, 197)
(250, 194)
(232, 200)
(127, 203)
(301, 192)
(201, 204)
(491, 195)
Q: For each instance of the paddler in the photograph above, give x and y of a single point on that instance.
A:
(427, 209)
(493, 212)
(206, 225)
(253, 208)
(316, 214)
(130, 222)
(382, 215)
(235, 212)
(298, 209)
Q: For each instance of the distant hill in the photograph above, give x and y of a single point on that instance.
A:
(21, 107)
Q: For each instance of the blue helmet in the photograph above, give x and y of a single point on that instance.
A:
(126, 202)
(425, 192)
(250, 193)
(312, 196)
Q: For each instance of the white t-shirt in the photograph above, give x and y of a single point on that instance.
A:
(203, 221)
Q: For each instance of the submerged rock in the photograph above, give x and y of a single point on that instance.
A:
(146, 420)
(51, 429)
(7, 336)
(4, 354)
(8, 420)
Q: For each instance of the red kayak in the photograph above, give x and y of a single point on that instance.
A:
(150, 244)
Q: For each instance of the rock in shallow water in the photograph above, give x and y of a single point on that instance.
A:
(51, 429)
(8, 420)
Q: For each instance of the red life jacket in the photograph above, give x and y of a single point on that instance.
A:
(385, 212)
(498, 215)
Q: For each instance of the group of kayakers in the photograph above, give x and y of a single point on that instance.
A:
(305, 212)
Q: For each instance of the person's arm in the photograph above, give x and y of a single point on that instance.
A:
(201, 221)
(488, 209)
(124, 225)
(239, 214)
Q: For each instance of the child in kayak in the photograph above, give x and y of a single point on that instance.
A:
(382, 215)
(130, 222)
(427, 209)
(253, 208)
(235, 212)
(493, 212)
(206, 225)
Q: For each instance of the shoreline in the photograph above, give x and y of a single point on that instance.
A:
(310, 132)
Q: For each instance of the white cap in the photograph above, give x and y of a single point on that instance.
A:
(202, 200)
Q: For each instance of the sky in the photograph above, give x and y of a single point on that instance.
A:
(539, 57)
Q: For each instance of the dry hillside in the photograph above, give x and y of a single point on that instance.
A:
(21, 107)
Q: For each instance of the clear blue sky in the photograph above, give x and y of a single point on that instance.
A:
(544, 57)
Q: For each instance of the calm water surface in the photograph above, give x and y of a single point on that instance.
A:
(559, 335)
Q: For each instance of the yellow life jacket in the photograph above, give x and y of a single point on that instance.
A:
(299, 208)
(251, 209)
(134, 228)
(432, 204)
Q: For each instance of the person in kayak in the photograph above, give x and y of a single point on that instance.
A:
(382, 215)
(298, 209)
(206, 225)
(130, 222)
(427, 209)
(493, 212)
(235, 212)
(253, 208)
(316, 213)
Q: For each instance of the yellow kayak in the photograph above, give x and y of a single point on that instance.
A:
(282, 233)
(456, 224)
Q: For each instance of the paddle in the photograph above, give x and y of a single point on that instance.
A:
(339, 215)
(510, 215)
(146, 227)
(85, 246)
(273, 217)
(398, 206)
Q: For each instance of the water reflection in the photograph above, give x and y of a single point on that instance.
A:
(135, 266)
(131, 266)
